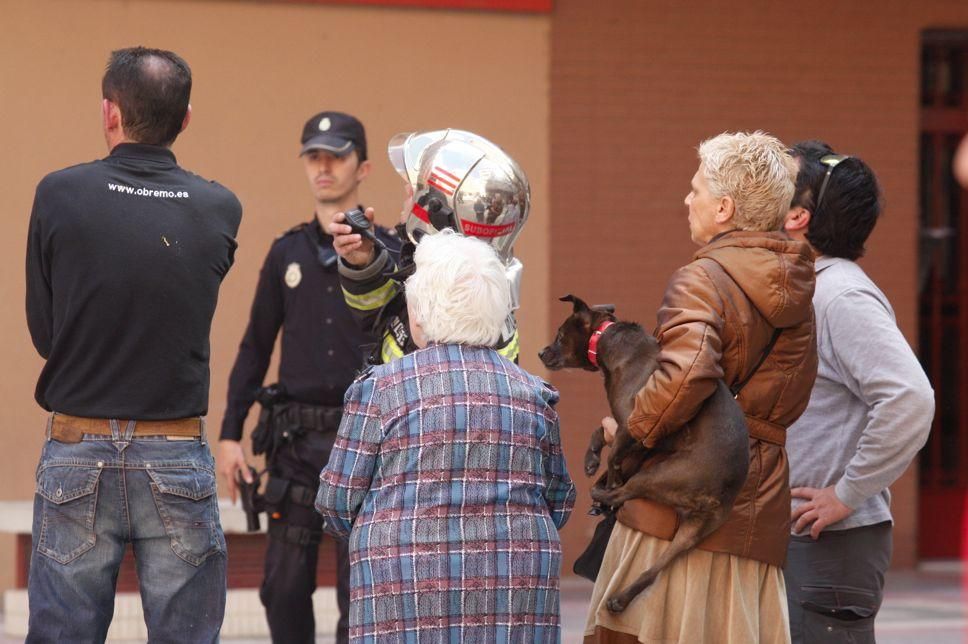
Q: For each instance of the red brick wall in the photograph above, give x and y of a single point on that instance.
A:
(636, 85)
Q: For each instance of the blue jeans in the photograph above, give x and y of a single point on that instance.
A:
(96, 496)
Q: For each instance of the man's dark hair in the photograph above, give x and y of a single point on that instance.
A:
(851, 203)
(152, 88)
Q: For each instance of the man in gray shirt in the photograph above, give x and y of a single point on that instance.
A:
(869, 413)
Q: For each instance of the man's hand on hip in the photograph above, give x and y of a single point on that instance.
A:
(822, 508)
(231, 459)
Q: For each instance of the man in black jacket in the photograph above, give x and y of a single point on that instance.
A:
(125, 257)
(299, 292)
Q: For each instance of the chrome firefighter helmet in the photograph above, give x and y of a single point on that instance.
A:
(461, 180)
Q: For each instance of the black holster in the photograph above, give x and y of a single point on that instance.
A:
(280, 498)
(272, 400)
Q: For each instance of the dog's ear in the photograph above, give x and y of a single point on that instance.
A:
(579, 305)
(604, 308)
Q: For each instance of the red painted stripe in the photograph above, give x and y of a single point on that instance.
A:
(470, 227)
(452, 176)
(486, 230)
(421, 213)
(444, 189)
(443, 180)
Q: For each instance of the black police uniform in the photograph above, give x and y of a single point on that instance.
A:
(322, 350)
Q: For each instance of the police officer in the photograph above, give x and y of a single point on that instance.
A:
(299, 291)
(455, 179)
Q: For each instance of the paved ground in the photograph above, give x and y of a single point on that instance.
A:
(926, 607)
(923, 607)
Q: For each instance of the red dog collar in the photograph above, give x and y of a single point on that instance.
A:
(593, 341)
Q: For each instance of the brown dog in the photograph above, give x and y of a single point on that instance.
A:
(698, 470)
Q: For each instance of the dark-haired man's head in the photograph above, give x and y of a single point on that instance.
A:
(149, 91)
(836, 218)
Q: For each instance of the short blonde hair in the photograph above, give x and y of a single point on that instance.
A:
(756, 171)
(459, 292)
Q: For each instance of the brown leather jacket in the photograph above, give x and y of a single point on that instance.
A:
(717, 316)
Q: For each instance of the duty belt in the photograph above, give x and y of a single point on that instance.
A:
(296, 534)
(69, 429)
(313, 417)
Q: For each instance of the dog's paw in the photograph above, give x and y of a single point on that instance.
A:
(592, 462)
(615, 605)
(600, 495)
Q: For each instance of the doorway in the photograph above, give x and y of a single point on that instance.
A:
(943, 292)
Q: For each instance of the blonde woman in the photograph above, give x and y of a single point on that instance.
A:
(718, 315)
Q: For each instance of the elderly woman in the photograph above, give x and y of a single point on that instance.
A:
(447, 474)
(718, 317)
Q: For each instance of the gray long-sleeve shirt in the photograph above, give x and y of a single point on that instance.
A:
(871, 407)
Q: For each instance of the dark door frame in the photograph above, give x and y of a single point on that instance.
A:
(943, 285)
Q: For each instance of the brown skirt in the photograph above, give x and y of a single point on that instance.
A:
(701, 597)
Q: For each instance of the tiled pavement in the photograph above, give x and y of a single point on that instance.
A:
(927, 606)
(923, 607)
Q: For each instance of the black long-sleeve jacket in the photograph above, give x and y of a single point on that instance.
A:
(376, 296)
(125, 256)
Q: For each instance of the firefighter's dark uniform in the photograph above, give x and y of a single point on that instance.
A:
(322, 350)
(376, 296)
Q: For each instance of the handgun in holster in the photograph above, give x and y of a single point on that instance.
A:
(253, 503)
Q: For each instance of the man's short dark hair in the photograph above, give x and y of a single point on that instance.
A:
(152, 88)
(851, 203)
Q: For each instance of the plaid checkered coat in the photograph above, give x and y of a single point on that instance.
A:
(447, 475)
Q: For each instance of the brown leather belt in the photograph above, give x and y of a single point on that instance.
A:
(70, 429)
(766, 431)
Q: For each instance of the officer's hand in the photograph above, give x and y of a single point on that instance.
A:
(231, 459)
(351, 246)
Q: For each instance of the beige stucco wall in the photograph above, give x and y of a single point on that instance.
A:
(260, 69)
(636, 86)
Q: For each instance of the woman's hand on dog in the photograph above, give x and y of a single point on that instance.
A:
(604, 435)
(610, 427)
